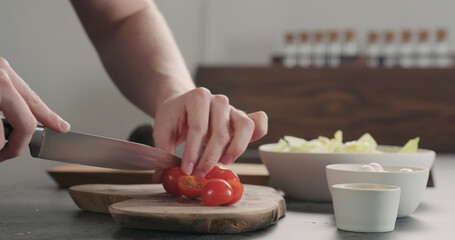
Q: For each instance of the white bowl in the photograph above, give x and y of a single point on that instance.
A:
(302, 175)
(412, 184)
(361, 207)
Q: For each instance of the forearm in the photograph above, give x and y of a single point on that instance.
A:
(141, 56)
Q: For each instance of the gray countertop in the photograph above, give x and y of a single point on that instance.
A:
(39, 210)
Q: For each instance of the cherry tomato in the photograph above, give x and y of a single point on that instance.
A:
(214, 169)
(237, 193)
(216, 192)
(191, 186)
(170, 181)
(222, 173)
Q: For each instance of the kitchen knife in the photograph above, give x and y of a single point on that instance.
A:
(85, 149)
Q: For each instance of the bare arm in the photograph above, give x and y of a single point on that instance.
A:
(137, 50)
(141, 56)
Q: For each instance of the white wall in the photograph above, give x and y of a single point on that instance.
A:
(249, 31)
(45, 43)
(184, 17)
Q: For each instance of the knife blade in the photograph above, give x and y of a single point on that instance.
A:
(87, 149)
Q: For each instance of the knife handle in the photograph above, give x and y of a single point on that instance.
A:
(35, 142)
(7, 128)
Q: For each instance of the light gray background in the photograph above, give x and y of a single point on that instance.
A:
(45, 43)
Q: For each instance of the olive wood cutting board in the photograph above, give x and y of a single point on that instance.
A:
(73, 174)
(148, 206)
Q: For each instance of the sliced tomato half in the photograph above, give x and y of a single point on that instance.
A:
(191, 186)
(216, 192)
(237, 192)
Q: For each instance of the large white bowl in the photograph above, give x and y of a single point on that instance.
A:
(412, 184)
(302, 175)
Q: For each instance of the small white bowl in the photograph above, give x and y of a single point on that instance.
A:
(361, 207)
(412, 184)
(302, 175)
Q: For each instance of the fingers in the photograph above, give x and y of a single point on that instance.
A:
(260, 120)
(219, 137)
(22, 108)
(243, 127)
(38, 108)
(203, 119)
(19, 116)
(198, 110)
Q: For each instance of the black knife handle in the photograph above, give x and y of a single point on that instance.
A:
(7, 128)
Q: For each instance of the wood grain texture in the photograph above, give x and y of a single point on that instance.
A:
(73, 174)
(98, 197)
(259, 208)
(147, 206)
(393, 105)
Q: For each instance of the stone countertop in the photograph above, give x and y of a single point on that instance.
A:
(39, 210)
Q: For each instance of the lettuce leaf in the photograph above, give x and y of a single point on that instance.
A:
(411, 146)
(365, 144)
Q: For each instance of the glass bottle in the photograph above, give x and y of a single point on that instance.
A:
(304, 55)
(349, 50)
(442, 56)
(290, 50)
(406, 50)
(319, 50)
(334, 49)
(390, 50)
(423, 50)
(373, 49)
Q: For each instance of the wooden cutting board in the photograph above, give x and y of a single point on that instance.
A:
(147, 206)
(72, 174)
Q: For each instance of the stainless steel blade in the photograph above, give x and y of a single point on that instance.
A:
(79, 148)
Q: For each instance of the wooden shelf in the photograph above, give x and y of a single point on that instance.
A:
(393, 105)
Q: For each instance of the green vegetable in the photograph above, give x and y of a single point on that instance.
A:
(365, 144)
(411, 146)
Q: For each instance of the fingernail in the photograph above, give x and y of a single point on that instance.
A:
(198, 172)
(188, 169)
(227, 159)
(64, 125)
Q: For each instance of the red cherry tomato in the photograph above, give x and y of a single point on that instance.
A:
(216, 192)
(214, 169)
(222, 173)
(170, 181)
(237, 193)
(191, 186)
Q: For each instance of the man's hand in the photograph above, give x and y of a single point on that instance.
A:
(205, 120)
(22, 107)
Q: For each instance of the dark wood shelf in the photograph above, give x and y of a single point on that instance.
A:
(393, 105)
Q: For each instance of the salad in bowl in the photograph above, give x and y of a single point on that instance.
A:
(297, 166)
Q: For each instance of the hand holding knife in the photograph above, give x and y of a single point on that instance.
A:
(86, 149)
